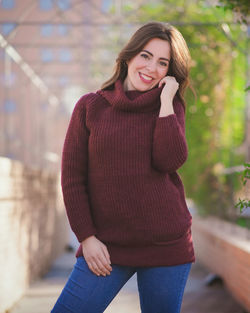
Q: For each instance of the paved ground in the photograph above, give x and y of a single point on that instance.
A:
(198, 297)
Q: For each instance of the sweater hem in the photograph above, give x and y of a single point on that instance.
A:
(152, 255)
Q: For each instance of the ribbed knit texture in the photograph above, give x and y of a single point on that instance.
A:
(119, 177)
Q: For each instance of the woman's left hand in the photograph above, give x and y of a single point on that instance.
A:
(170, 88)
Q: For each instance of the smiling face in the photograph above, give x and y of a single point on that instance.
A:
(148, 67)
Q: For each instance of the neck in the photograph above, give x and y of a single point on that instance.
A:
(127, 86)
(132, 100)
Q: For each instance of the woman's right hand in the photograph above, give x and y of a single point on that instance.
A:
(96, 255)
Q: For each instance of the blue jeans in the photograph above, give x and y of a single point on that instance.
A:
(160, 288)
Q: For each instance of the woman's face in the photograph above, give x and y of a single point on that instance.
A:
(148, 67)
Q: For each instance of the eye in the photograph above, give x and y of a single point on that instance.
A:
(163, 63)
(144, 55)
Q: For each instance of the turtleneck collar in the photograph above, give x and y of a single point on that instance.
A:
(132, 100)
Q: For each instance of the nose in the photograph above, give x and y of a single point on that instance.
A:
(151, 66)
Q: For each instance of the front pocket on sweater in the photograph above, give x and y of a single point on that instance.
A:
(172, 242)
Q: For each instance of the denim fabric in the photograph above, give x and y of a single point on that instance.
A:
(160, 288)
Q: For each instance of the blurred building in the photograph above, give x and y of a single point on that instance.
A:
(51, 52)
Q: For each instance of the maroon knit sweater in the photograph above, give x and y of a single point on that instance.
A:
(119, 178)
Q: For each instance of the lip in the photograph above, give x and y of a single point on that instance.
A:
(144, 80)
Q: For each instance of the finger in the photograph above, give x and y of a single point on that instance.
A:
(106, 254)
(94, 268)
(102, 267)
(106, 260)
(161, 82)
(105, 263)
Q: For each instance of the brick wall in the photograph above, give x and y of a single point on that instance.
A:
(224, 248)
(33, 227)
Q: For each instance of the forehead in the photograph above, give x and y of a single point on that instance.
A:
(158, 47)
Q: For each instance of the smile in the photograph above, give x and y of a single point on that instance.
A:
(145, 78)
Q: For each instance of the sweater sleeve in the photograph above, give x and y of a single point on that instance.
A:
(170, 148)
(74, 173)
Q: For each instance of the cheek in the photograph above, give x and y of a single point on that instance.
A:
(138, 63)
(162, 72)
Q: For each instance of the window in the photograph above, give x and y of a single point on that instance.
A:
(10, 155)
(46, 5)
(8, 79)
(7, 28)
(106, 5)
(2, 54)
(65, 55)
(47, 55)
(63, 29)
(9, 106)
(46, 30)
(63, 4)
(7, 4)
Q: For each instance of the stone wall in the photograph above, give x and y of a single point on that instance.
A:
(224, 248)
(33, 227)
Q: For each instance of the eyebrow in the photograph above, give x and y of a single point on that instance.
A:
(153, 55)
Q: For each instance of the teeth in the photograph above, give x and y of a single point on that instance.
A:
(146, 77)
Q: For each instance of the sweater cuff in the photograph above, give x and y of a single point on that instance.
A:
(170, 121)
(169, 117)
(82, 234)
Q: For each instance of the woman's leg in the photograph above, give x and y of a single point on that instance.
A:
(86, 292)
(161, 288)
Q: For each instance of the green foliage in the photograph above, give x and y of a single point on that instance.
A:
(244, 177)
(240, 7)
(242, 204)
(243, 222)
(245, 173)
(215, 123)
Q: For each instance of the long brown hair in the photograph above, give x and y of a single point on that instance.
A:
(180, 57)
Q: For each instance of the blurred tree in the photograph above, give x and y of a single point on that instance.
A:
(215, 122)
(241, 8)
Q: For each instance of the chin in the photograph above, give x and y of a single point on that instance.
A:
(141, 87)
(144, 87)
(148, 88)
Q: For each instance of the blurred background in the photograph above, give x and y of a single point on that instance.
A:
(54, 51)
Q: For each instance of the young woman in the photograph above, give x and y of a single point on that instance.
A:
(124, 199)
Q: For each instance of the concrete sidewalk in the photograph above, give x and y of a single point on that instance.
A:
(198, 297)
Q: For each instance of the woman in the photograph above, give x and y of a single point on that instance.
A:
(124, 199)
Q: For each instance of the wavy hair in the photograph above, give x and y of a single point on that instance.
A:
(180, 60)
